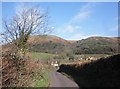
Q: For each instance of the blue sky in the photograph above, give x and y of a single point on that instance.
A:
(75, 20)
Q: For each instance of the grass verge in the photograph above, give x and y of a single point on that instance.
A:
(44, 81)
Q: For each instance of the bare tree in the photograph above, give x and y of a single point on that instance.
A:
(24, 23)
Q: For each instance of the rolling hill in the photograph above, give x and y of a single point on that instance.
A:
(57, 45)
(91, 45)
(46, 38)
(97, 45)
(48, 44)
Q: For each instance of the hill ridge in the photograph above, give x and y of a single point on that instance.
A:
(57, 45)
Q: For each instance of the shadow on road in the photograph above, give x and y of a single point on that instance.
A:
(103, 73)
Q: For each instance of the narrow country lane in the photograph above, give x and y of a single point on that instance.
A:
(59, 80)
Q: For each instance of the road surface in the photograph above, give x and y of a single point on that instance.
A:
(59, 80)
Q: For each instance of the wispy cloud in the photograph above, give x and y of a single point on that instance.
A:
(80, 36)
(72, 25)
(76, 37)
(71, 28)
(68, 29)
(84, 13)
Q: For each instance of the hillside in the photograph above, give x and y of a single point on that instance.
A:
(47, 44)
(57, 45)
(98, 45)
(91, 45)
(46, 38)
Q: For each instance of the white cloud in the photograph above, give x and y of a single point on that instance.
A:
(80, 36)
(69, 28)
(76, 37)
(84, 13)
(81, 16)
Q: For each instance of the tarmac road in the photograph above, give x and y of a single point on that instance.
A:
(59, 80)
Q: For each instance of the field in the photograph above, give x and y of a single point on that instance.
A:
(42, 56)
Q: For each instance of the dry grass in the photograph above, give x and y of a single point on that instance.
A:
(13, 71)
(45, 39)
(18, 72)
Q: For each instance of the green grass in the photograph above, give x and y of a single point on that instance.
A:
(41, 56)
(44, 81)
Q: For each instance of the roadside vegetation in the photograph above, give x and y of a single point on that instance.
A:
(30, 72)
(44, 80)
(18, 68)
